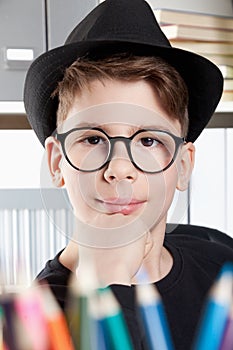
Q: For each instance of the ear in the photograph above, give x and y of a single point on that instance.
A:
(187, 159)
(54, 158)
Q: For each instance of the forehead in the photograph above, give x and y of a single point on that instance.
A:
(114, 101)
(120, 116)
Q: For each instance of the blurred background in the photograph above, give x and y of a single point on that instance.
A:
(33, 215)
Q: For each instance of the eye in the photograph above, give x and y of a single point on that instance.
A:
(93, 140)
(149, 141)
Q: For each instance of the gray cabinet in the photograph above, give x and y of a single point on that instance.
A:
(22, 38)
(28, 28)
(63, 16)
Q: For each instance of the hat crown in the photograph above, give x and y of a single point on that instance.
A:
(120, 20)
(119, 26)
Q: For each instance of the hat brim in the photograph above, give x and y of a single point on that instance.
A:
(203, 79)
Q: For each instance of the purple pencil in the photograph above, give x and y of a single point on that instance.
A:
(227, 342)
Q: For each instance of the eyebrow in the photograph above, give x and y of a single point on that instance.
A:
(131, 129)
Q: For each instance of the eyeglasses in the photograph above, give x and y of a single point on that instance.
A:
(91, 149)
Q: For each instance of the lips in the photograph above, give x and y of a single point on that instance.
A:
(124, 206)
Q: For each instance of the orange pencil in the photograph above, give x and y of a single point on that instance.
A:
(58, 333)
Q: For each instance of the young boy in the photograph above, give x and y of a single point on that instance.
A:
(118, 110)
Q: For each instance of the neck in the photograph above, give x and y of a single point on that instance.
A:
(69, 256)
(157, 260)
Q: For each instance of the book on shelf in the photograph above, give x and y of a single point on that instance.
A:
(228, 85)
(227, 96)
(218, 53)
(219, 60)
(167, 16)
(227, 71)
(180, 32)
(210, 48)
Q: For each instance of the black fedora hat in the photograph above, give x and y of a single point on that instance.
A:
(119, 26)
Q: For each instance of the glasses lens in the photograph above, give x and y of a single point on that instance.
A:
(153, 151)
(87, 149)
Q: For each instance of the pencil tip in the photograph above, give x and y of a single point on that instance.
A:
(227, 269)
(142, 276)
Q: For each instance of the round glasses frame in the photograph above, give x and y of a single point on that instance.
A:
(61, 137)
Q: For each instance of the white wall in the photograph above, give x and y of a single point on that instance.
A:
(211, 185)
(20, 156)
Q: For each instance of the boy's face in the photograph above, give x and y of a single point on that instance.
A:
(119, 194)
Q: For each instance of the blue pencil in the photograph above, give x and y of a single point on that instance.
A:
(102, 342)
(99, 340)
(213, 323)
(153, 318)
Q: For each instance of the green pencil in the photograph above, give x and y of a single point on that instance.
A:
(81, 288)
(114, 322)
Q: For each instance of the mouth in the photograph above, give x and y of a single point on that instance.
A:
(121, 205)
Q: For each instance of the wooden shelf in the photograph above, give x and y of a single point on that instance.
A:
(223, 116)
(13, 116)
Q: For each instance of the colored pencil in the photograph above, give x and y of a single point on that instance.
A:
(227, 342)
(78, 313)
(114, 322)
(14, 336)
(29, 310)
(99, 340)
(153, 317)
(99, 336)
(212, 325)
(72, 314)
(58, 333)
(9, 330)
(85, 323)
(1, 328)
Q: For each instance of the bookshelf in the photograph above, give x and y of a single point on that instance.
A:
(12, 115)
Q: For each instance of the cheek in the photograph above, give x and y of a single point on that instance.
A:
(90, 185)
(170, 182)
(82, 190)
(161, 191)
(171, 178)
(72, 188)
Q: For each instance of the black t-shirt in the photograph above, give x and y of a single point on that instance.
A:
(196, 263)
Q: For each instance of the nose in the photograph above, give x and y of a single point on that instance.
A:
(120, 167)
